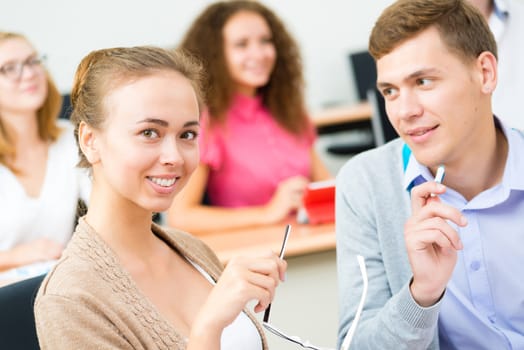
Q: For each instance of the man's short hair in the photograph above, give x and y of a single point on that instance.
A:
(462, 28)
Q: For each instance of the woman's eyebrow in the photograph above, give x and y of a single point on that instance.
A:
(163, 123)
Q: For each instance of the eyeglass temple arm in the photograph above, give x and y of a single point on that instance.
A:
(349, 336)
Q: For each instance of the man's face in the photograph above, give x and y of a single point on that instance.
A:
(434, 99)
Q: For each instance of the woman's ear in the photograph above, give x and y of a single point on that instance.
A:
(488, 67)
(87, 140)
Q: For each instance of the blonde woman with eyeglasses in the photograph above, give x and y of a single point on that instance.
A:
(39, 183)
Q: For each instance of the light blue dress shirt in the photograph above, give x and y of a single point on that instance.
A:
(483, 307)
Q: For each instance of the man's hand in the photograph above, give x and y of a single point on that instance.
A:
(431, 242)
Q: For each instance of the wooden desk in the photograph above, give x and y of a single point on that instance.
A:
(311, 280)
(342, 114)
(303, 239)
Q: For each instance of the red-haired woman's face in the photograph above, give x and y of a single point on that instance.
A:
(23, 82)
(249, 51)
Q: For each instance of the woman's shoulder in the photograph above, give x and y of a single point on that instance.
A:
(184, 239)
(85, 267)
(191, 247)
(70, 277)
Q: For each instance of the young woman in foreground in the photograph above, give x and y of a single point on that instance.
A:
(123, 282)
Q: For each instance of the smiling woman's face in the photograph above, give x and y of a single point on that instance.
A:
(249, 51)
(26, 93)
(147, 148)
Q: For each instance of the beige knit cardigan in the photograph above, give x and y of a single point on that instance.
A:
(88, 301)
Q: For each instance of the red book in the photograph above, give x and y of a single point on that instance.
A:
(319, 202)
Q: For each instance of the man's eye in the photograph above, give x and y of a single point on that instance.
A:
(388, 91)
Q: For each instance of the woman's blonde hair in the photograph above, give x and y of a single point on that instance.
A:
(101, 71)
(47, 115)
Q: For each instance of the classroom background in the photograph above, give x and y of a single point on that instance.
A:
(327, 31)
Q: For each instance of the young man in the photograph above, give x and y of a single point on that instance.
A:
(443, 261)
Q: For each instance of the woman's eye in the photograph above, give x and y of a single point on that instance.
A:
(10, 68)
(241, 44)
(150, 133)
(189, 135)
(34, 61)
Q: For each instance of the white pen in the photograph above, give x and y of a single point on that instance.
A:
(439, 176)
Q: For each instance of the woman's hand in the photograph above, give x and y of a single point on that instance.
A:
(286, 199)
(40, 249)
(431, 242)
(244, 279)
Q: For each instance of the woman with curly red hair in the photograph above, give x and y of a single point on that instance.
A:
(257, 152)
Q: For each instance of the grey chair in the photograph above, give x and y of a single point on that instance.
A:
(67, 108)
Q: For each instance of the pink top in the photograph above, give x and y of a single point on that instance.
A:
(251, 154)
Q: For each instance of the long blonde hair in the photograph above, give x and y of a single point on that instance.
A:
(47, 115)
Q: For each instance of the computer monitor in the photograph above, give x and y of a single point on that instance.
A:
(364, 72)
(383, 131)
(365, 76)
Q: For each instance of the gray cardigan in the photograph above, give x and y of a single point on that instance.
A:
(371, 209)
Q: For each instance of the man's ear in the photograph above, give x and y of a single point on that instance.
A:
(87, 140)
(487, 62)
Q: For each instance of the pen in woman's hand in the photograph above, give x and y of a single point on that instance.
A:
(281, 256)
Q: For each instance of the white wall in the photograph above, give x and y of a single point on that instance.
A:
(66, 30)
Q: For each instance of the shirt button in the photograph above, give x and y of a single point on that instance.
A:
(475, 265)
(491, 319)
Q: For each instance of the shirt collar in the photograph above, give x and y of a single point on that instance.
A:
(246, 107)
(501, 9)
(498, 19)
(514, 168)
(416, 173)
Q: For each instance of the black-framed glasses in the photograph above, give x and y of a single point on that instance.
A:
(13, 70)
(349, 335)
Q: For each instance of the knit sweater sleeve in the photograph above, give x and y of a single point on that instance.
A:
(367, 208)
(65, 323)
